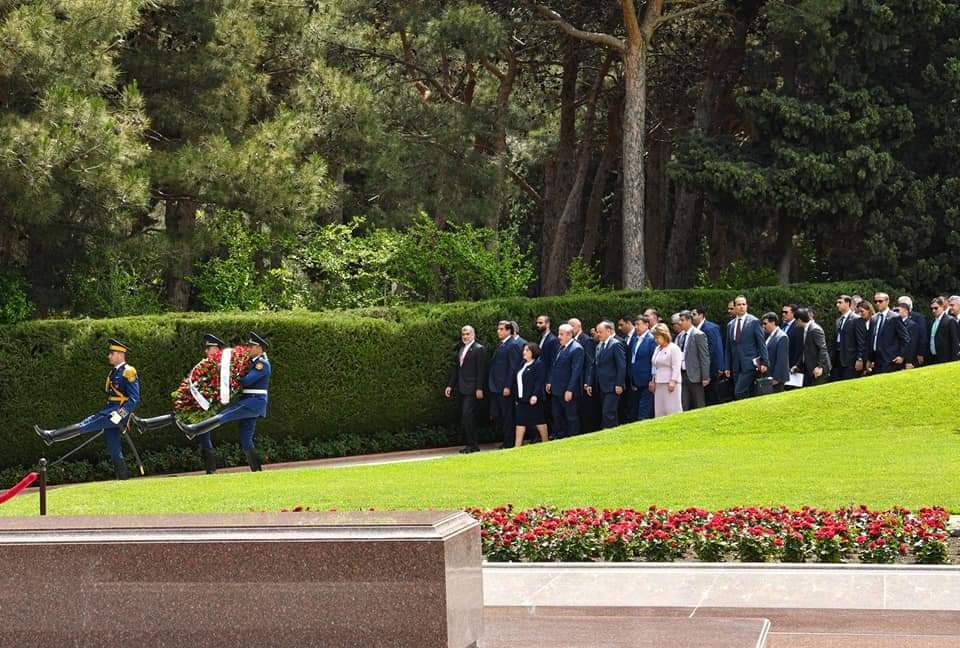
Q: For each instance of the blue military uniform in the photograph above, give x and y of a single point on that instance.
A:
(251, 405)
(122, 389)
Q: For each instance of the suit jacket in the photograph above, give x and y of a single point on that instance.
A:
(610, 367)
(499, 376)
(862, 332)
(887, 341)
(516, 354)
(589, 351)
(696, 355)
(911, 350)
(752, 344)
(846, 340)
(923, 333)
(467, 378)
(947, 340)
(641, 367)
(629, 346)
(534, 378)
(566, 374)
(778, 350)
(715, 342)
(549, 346)
(795, 335)
(815, 353)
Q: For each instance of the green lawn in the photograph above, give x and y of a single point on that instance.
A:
(883, 441)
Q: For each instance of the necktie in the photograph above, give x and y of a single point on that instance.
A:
(933, 336)
(682, 341)
(463, 354)
(739, 331)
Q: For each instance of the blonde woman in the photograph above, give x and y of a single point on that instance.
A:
(665, 385)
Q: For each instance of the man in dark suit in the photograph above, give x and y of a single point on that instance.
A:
(944, 334)
(922, 341)
(564, 384)
(911, 352)
(695, 368)
(717, 358)
(503, 368)
(588, 406)
(778, 352)
(746, 349)
(629, 337)
(609, 373)
(794, 333)
(815, 359)
(845, 356)
(640, 368)
(953, 307)
(466, 381)
(888, 337)
(549, 344)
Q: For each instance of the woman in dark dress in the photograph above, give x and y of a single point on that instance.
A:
(528, 387)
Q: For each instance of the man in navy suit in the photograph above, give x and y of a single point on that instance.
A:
(609, 373)
(503, 368)
(718, 361)
(922, 341)
(845, 356)
(549, 344)
(465, 381)
(888, 337)
(564, 384)
(629, 337)
(944, 335)
(746, 349)
(778, 352)
(911, 352)
(640, 368)
(794, 333)
(588, 406)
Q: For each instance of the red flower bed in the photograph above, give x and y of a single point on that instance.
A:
(747, 534)
(206, 379)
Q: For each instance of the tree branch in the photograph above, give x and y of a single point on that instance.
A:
(630, 21)
(689, 11)
(606, 40)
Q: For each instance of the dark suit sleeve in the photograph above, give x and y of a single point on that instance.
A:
(539, 380)
(576, 371)
(952, 336)
(823, 355)
(481, 368)
(901, 332)
(862, 335)
(589, 358)
(761, 342)
(620, 360)
(728, 349)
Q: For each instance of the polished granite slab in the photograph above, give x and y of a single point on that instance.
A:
(271, 579)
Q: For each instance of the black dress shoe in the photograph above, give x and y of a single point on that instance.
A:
(466, 451)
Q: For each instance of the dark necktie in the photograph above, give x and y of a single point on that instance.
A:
(683, 341)
(739, 330)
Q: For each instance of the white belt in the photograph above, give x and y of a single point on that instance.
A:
(254, 391)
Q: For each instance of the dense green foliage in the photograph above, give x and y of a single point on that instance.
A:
(808, 447)
(335, 374)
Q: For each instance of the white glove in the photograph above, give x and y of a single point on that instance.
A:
(115, 417)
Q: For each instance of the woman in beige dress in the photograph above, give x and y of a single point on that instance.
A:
(665, 384)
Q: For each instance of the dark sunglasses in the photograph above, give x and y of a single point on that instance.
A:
(879, 301)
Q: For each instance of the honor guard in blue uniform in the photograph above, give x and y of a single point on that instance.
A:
(251, 405)
(123, 395)
(211, 343)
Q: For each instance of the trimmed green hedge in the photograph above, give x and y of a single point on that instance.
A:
(335, 373)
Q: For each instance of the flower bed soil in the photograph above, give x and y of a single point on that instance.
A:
(749, 534)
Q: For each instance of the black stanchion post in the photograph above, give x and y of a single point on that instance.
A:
(43, 486)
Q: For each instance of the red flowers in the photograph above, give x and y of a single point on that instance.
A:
(206, 378)
(749, 534)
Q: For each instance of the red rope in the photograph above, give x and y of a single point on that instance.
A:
(15, 490)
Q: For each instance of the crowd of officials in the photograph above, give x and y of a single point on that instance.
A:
(641, 366)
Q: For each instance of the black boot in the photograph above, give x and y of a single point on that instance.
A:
(120, 469)
(196, 429)
(253, 459)
(209, 460)
(60, 434)
(149, 424)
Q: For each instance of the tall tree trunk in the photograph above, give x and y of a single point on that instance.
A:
(593, 221)
(785, 247)
(657, 217)
(180, 217)
(634, 271)
(559, 171)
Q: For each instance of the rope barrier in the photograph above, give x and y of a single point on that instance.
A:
(18, 488)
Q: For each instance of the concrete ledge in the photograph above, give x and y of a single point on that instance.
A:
(271, 579)
(723, 585)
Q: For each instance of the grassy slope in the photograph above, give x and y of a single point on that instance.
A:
(883, 441)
